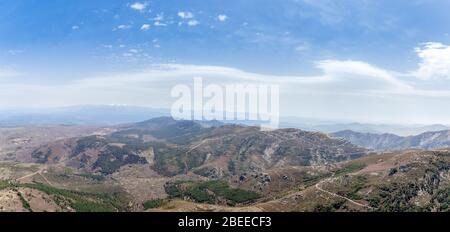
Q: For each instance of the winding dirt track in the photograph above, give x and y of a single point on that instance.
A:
(27, 176)
(39, 172)
(339, 196)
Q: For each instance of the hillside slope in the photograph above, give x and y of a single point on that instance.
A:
(391, 182)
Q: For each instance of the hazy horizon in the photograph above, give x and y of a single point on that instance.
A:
(356, 61)
(286, 121)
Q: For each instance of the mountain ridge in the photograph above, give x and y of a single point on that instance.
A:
(175, 147)
(386, 142)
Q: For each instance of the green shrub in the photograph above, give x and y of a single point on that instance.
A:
(155, 203)
(80, 201)
(4, 184)
(210, 192)
(92, 176)
(350, 168)
(25, 203)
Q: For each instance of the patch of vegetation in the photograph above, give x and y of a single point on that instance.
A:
(310, 180)
(4, 184)
(210, 192)
(232, 167)
(354, 167)
(25, 203)
(92, 176)
(392, 171)
(89, 142)
(338, 205)
(166, 160)
(80, 201)
(128, 136)
(40, 156)
(356, 184)
(113, 158)
(399, 195)
(155, 203)
(205, 171)
(395, 197)
(442, 197)
(173, 160)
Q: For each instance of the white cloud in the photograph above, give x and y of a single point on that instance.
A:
(159, 17)
(160, 24)
(340, 88)
(222, 18)
(435, 61)
(123, 27)
(145, 27)
(138, 6)
(193, 23)
(127, 54)
(342, 76)
(346, 76)
(15, 52)
(190, 17)
(359, 75)
(185, 15)
(75, 27)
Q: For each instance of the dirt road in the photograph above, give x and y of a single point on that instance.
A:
(339, 196)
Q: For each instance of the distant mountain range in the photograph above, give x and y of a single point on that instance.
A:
(331, 127)
(120, 114)
(78, 115)
(385, 142)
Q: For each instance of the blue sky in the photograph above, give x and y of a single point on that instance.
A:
(359, 60)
